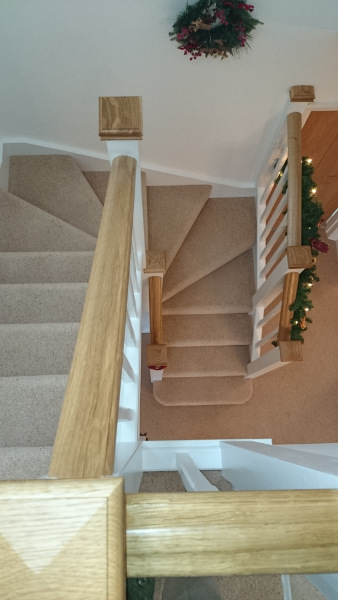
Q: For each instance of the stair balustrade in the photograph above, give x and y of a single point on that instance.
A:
(280, 256)
(204, 533)
(105, 371)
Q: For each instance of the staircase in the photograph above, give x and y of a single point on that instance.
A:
(49, 223)
(207, 293)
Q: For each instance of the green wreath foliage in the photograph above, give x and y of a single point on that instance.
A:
(214, 28)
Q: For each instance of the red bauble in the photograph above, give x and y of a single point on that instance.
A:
(319, 245)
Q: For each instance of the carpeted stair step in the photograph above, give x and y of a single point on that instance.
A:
(24, 463)
(98, 181)
(172, 210)
(42, 302)
(200, 391)
(30, 409)
(37, 349)
(207, 361)
(229, 289)
(207, 330)
(56, 184)
(45, 267)
(26, 228)
(225, 228)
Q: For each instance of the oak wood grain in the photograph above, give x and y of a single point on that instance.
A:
(177, 535)
(294, 214)
(85, 439)
(289, 296)
(62, 539)
(302, 93)
(120, 118)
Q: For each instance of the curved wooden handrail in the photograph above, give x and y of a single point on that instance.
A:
(85, 440)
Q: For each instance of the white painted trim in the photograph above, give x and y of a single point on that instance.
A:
(156, 375)
(192, 478)
(268, 362)
(286, 587)
(206, 454)
(117, 148)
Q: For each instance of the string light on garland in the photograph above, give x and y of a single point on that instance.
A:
(312, 212)
(214, 28)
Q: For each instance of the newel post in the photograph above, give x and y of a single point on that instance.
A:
(156, 350)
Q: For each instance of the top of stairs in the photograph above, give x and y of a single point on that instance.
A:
(56, 184)
(171, 214)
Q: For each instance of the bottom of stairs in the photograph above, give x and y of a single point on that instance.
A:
(201, 391)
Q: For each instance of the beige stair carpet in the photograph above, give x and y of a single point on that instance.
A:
(56, 184)
(202, 391)
(98, 181)
(229, 289)
(171, 213)
(25, 227)
(42, 302)
(205, 361)
(224, 229)
(207, 330)
(45, 267)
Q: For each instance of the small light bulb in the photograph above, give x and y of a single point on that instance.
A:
(295, 323)
(307, 309)
(309, 161)
(313, 191)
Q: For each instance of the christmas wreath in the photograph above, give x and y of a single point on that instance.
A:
(214, 28)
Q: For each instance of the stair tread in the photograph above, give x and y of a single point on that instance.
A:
(45, 267)
(41, 302)
(172, 211)
(56, 184)
(27, 228)
(24, 403)
(37, 349)
(207, 330)
(200, 391)
(24, 462)
(212, 241)
(203, 361)
(222, 291)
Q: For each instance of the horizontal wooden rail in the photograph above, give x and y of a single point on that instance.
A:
(85, 441)
(179, 535)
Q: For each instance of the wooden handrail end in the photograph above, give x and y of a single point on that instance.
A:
(120, 118)
(291, 351)
(299, 257)
(157, 355)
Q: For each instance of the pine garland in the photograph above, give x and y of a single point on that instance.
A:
(312, 211)
(214, 28)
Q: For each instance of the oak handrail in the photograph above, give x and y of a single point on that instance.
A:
(294, 227)
(179, 535)
(85, 439)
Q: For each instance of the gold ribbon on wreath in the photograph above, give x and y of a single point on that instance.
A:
(199, 24)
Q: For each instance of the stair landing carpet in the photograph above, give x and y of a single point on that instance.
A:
(207, 294)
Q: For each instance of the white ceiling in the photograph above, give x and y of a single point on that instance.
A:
(207, 119)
